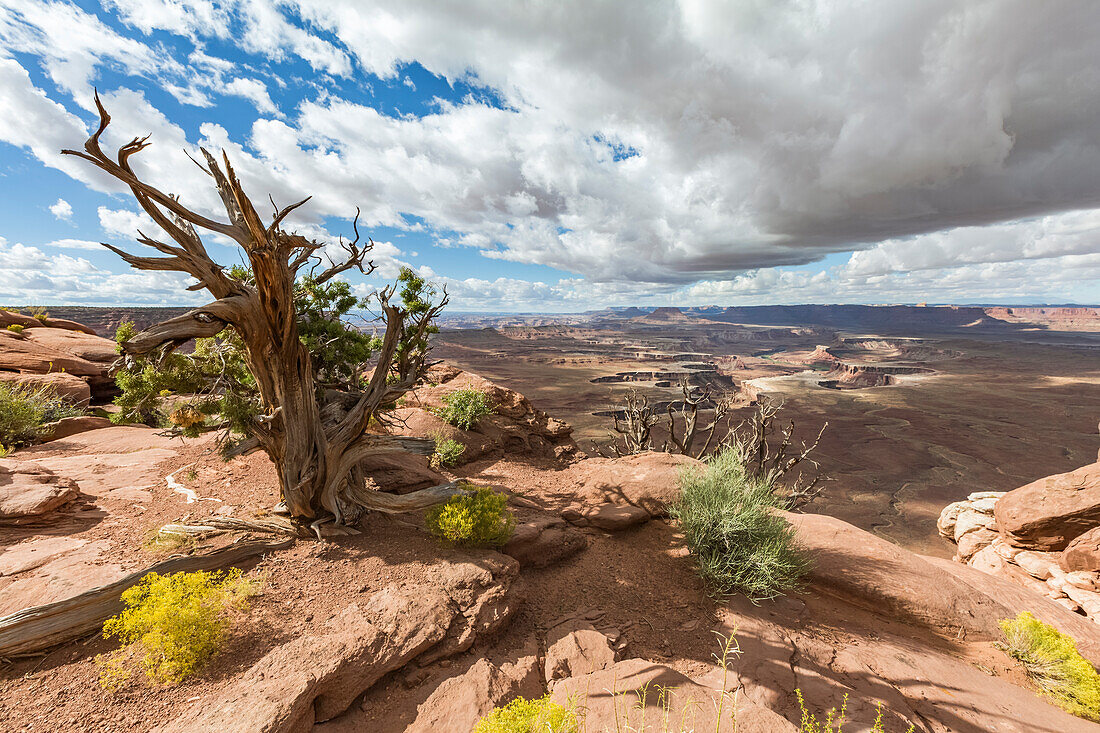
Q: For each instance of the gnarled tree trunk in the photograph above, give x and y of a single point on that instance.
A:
(317, 458)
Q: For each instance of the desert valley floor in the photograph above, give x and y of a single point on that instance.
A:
(987, 407)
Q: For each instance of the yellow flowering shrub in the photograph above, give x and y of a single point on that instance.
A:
(176, 622)
(477, 519)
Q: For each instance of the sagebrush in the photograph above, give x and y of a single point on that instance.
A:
(465, 408)
(1053, 663)
(446, 452)
(175, 622)
(731, 526)
(474, 520)
(24, 410)
(16, 328)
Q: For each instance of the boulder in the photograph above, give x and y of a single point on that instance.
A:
(648, 480)
(28, 492)
(459, 702)
(87, 346)
(11, 318)
(920, 674)
(8, 318)
(574, 649)
(419, 422)
(543, 542)
(1049, 513)
(109, 459)
(973, 513)
(877, 575)
(68, 426)
(315, 678)
(65, 385)
(1083, 552)
(608, 517)
(68, 325)
(48, 569)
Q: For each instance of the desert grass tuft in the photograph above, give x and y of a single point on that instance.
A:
(731, 527)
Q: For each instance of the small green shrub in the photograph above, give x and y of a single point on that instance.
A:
(464, 408)
(16, 328)
(24, 410)
(446, 452)
(178, 621)
(730, 526)
(1053, 663)
(530, 716)
(478, 519)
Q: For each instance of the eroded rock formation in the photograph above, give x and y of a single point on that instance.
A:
(65, 356)
(1044, 535)
(515, 427)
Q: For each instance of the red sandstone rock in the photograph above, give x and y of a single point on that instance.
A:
(516, 427)
(544, 542)
(458, 702)
(63, 384)
(83, 345)
(27, 492)
(1049, 513)
(1083, 553)
(315, 678)
(574, 649)
(612, 700)
(22, 354)
(68, 426)
(648, 480)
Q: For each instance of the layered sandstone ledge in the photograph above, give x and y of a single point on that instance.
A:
(1044, 536)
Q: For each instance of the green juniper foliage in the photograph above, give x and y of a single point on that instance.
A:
(220, 389)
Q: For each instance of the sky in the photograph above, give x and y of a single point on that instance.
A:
(565, 156)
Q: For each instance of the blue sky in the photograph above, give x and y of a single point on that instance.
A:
(560, 157)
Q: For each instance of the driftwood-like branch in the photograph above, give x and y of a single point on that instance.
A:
(35, 629)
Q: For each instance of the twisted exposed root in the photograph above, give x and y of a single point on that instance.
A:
(380, 501)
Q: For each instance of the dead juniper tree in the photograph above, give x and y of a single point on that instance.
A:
(766, 451)
(635, 419)
(683, 421)
(314, 433)
(775, 461)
